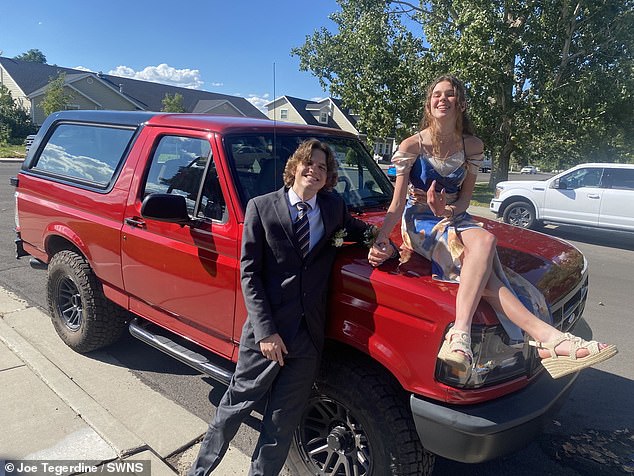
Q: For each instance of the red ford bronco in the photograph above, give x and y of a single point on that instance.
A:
(138, 217)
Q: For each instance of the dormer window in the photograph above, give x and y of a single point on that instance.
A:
(323, 117)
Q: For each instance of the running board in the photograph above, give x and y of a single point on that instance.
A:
(159, 339)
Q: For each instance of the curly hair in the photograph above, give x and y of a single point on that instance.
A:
(302, 156)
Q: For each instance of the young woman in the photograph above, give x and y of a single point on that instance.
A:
(436, 174)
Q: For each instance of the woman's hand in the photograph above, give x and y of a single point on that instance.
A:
(437, 201)
(380, 251)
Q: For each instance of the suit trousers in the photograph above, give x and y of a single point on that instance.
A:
(287, 390)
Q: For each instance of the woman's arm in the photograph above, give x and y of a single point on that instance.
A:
(395, 210)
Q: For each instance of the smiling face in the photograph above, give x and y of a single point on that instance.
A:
(444, 104)
(310, 177)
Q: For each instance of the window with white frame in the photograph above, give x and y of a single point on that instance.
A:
(283, 113)
(323, 117)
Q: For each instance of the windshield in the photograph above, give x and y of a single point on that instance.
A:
(258, 164)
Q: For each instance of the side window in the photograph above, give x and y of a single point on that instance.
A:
(85, 153)
(178, 166)
(589, 177)
(212, 202)
(621, 179)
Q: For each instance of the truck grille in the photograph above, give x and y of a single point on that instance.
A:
(567, 311)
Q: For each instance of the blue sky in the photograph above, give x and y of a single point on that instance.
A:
(226, 47)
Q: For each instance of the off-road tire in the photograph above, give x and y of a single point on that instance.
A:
(357, 414)
(520, 214)
(82, 316)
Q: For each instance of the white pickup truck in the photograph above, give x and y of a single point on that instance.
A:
(597, 194)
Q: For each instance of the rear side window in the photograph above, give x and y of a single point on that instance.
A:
(621, 179)
(85, 153)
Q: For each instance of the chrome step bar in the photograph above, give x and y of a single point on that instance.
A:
(158, 338)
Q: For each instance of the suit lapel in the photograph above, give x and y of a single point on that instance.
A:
(280, 205)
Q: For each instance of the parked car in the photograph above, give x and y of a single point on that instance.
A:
(598, 195)
(487, 163)
(138, 217)
(529, 169)
(391, 173)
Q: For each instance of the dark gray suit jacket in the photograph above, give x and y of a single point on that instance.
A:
(279, 287)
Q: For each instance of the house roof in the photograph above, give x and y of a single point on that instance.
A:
(31, 77)
(300, 106)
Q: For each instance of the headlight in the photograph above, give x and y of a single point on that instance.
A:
(498, 191)
(494, 360)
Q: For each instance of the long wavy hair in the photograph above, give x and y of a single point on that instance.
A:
(463, 123)
(302, 155)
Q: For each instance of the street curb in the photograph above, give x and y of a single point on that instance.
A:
(105, 425)
(21, 332)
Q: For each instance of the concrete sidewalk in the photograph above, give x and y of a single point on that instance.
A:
(60, 405)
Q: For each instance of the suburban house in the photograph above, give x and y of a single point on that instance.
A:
(328, 112)
(28, 81)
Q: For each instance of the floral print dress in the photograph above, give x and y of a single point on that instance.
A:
(438, 238)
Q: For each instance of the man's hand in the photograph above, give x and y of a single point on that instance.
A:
(436, 201)
(380, 251)
(273, 348)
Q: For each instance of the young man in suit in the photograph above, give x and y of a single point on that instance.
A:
(287, 255)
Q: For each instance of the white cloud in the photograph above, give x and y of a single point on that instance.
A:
(83, 68)
(258, 101)
(164, 74)
(216, 85)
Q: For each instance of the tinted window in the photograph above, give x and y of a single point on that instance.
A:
(178, 166)
(587, 177)
(621, 179)
(259, 159)
(84, 152)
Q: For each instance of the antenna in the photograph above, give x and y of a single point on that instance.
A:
(274, 124)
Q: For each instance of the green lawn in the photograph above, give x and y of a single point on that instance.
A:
(481, 195)
(12, 151)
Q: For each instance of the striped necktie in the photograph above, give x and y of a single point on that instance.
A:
(302, 227)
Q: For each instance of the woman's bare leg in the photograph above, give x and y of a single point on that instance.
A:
(477, 280)
(503, 300)
(477, 262)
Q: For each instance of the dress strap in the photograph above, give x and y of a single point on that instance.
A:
(420, 143)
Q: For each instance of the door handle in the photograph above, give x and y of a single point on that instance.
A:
(594, 195)
(136, 222)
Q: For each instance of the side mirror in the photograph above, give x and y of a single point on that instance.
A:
(165, 207)
(560, 184)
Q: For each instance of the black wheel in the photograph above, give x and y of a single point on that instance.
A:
(81, 314)
(357, 423)
(520, 214)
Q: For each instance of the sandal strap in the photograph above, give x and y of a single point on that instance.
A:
(576, 343)
(459, 341)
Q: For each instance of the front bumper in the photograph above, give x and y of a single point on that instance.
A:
(495, 206)
(477, 433)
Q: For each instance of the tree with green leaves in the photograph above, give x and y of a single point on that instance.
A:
(172, 103)
(15, 123)
(56, 98)
(33, 55)
(549, 82)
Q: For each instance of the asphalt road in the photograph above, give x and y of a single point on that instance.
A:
(590, 435)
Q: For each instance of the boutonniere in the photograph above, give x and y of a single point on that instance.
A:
(369, 235)
(337, 238)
